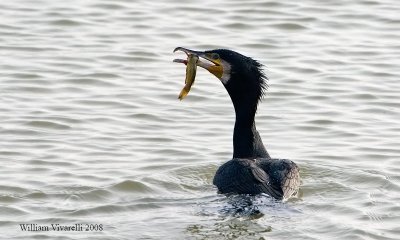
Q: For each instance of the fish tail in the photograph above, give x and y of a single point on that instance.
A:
(183, 94)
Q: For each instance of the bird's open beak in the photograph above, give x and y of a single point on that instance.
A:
(214, 66)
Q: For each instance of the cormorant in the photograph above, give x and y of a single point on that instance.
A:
(251, 170)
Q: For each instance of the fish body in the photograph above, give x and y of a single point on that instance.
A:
(191, 68)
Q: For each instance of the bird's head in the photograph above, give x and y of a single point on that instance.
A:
(242, 76)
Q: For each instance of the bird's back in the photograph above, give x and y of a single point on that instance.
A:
(277, 177)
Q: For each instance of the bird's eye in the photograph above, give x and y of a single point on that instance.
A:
(215, 56)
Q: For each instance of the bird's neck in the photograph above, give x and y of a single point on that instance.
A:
(246, 140)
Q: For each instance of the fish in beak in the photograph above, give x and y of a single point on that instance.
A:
(191, 67)
(212, 61)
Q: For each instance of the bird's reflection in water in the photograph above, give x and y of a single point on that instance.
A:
(237, 217)
(243, 205)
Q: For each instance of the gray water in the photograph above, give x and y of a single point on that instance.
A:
(92, 131)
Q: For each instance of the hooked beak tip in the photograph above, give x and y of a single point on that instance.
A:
(188, 51)
(177, 49)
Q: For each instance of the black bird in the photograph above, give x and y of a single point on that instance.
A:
(251, 170)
